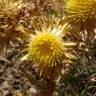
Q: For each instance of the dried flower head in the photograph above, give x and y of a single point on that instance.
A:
(9, 18)
(10, 6)
(47, 49)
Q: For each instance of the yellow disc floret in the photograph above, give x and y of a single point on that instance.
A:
(81, 10)
(46, 49)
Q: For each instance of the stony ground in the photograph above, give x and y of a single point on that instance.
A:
(16, 78)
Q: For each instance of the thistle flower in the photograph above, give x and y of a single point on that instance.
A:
(10, 15)
(81, 12)
(47, 50)
(9, 11)
(10, 6)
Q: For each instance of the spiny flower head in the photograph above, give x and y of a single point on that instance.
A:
(47, 49)
(81, 10)
(10, 6)
(10, 11)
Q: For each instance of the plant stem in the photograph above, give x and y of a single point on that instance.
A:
(48, 91)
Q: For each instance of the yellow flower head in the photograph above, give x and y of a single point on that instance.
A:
(81, 10)
(47, 49)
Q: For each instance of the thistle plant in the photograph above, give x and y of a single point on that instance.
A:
(47, 50)
(47, 44)
(82, 13)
